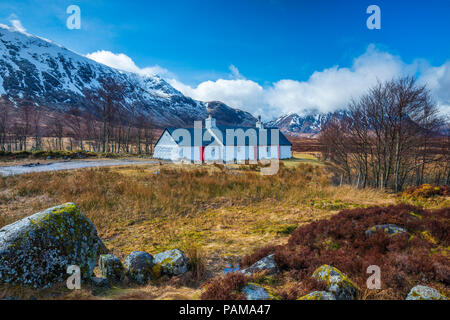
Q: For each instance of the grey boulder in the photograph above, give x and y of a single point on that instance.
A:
(100, 282)
(255, 292)
(424, 293)
(111, 268)
(173, 262)
(266, 264)
(337, 282)
(37, 250)
(139, 266)
(390, 229)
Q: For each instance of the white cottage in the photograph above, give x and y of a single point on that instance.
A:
(221, 143)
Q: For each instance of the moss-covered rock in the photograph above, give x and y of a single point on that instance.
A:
(111, 268)
(100, 282)
(173, 262)
(156, 271)
(390, 229)
(139, 267)
(424, 293)
(338, 283)
(37, 250)
(318, 295)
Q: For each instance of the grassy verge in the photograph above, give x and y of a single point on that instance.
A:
(6, 156)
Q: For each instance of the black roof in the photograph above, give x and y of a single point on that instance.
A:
(232, 136)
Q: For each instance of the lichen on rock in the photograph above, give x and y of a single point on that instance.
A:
(424, 293)
(100, 282)
(338, 283)
(390, 229)
(173, 262)
(267, 265)
(111, 268)
(318, 295)
(139, 266)
(255, 292)
(37, 250)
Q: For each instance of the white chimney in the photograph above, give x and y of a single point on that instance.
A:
(259, 123)
(210, 122)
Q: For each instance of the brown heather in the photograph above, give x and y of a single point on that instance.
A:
(419, 257)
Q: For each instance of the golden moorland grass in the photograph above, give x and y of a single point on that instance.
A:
(217, 215)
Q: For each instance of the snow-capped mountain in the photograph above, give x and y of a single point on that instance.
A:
(307, 125)
(50, 75)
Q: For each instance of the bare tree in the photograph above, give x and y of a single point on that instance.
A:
(57, 131)
(106, 101)
(74, 121)
(4, 125)
(36, 122)
(386, 137)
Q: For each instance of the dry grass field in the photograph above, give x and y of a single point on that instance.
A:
(217, 214)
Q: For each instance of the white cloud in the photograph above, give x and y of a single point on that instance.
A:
(324, 90)
(438, 81)
(332, 88)
(17, 25)
(239, 93)
(235, 72)
(123, 62)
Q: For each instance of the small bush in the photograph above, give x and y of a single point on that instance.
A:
(426, 191)
(197, 263)
(227, 287)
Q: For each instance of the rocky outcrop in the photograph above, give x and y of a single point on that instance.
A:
(267, 265)
(139, 267)
(337, 282)
(424, 293)
(318, 295)
(390, 229)
(172, 262)
(111, 268)
(37, 250)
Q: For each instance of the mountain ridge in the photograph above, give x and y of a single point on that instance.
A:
(307, 125)
(53, 76)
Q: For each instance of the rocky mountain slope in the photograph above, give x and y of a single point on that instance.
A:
(50, 75)
(229, 116)
(308, 125)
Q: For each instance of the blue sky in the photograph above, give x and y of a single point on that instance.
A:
(259, 43)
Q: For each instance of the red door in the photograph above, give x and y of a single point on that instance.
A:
(202, 154)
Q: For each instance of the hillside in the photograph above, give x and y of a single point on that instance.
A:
(47, 74)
